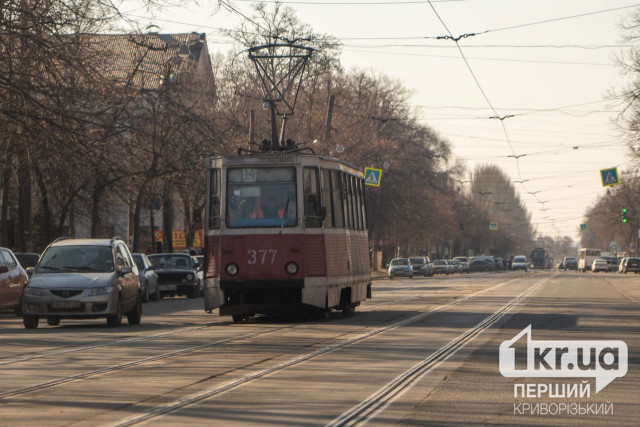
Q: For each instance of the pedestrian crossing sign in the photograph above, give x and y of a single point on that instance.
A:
(372, 176)
(583, 227)
(609, 177)
(493, 226)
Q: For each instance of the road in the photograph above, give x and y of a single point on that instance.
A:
(423, 351)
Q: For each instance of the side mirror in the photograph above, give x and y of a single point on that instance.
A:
(125, 269)
(30, 271)
(151, 267)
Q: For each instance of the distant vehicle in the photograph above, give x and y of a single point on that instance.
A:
(480, 265)
(569, 263)
(421, 266)
(177, 274)
(539, 258)
(612, 263)
(499, 263)
(27, 259)
(148, 278)
(630, 264)
(599, 264)
(83, 279)
(586, 258)
(519, 262)
(400, 267)
(489, 260)
(13, 279)
(457, 265)
(465, 263)
(441, 266)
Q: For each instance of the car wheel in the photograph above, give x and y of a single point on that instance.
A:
(135, 315)
(115, 320)
(30, 322)
(53, 321)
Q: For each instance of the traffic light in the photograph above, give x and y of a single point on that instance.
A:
(624, 214)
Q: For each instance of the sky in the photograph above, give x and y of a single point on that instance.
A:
(528, 89)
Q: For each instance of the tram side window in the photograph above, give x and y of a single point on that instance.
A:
(336, 189)
(357, 223)
(313, 212)
(363, 202)
(326, 197)
(348, 219)
(214, 199)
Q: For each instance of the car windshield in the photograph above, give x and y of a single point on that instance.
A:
(519, 259)
(569, 259)
(417, 260)
(439, 262)
(400, 261)
(76, 258)
(171, 262)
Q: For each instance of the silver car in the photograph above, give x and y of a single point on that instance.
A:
(83, 279)
(400, 267)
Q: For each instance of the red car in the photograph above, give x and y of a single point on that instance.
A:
(13, 279)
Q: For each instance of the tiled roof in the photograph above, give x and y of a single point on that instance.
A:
(144, 60)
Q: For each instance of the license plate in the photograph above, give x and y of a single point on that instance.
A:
(65, 304)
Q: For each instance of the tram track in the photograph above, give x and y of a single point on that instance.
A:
(176, 353)
(220, 343)
(437, 357)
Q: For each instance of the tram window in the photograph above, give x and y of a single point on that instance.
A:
(363, 203)
(356, 203)
(348, 220)
(313, 212)
(214, 199)
(336, 189)
(261, 197)
(326, 198)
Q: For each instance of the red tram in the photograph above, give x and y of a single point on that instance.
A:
(284, 232)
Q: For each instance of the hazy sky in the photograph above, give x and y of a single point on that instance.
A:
(549, 63)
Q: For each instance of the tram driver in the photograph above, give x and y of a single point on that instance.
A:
(271, 210)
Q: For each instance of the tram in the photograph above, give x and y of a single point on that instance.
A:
(284, 232)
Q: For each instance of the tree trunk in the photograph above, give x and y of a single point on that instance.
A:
(96, 196)
(167, 217)
(24, 202)
(136, 217)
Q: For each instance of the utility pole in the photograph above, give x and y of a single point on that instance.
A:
(327, 126)
(252, 125)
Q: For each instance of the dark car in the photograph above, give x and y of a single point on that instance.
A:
(631, 265)
(177, 274)
(480, 265)
(148, 278)
(570, 263)
(441, 266)
(13, 279)
(421, 266)
(27, 259)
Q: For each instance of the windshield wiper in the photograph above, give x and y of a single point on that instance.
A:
(284, 217)
(50, 267)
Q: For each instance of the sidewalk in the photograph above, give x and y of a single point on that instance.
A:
(378, 274)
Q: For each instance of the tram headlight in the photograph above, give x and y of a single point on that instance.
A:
(232, 269)
(291, 268)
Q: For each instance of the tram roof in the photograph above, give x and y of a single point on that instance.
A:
(277, 158)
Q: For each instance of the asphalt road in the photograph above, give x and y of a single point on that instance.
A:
(423, 351)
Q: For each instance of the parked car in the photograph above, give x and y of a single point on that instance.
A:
(400, 267)
(27, 259)
(599, 264)
(499, 263)
(148, 278)
(441, 266)
(13, 279)
(421, 266)
(177, 274)
(83, 279)
(489, 260)
(457, 265)
(480, 265)
(519, 262)
(612, 263)
(630, 264)
(464, 261)
(570, 263)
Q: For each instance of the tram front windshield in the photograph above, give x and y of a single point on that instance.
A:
(261, 197)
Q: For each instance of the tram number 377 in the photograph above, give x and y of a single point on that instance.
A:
(261, 256)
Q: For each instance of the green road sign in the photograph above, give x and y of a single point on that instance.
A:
(609, 177)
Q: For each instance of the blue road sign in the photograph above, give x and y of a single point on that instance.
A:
(609, 177)
(583, 227)
(372, 176)
(493, 226)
